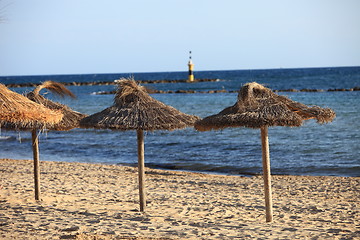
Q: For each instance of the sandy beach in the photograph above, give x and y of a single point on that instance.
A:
(94, 201)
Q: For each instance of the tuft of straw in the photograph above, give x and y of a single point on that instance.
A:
(55, 87)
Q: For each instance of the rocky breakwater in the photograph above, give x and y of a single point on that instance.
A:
(13, 85)
(153, 91)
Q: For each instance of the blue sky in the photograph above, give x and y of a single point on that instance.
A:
(112, 36)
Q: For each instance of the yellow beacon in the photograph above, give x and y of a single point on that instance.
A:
(191, 69)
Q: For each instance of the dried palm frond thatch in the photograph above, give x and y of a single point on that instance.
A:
(55, 87)
(20, 113)
(17, 112)
(71, 118)
(134, 109)
(259, 106)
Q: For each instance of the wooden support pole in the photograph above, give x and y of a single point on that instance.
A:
(35, 146)
(266, 172)
(141, 169)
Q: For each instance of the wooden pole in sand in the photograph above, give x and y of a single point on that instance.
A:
(35, 146)
(266, 172)
(141, 169)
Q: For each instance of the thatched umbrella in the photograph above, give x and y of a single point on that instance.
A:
(69, 121)
(18, 112)
(134, 109)
(258, 107)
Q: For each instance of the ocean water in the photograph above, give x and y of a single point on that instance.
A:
(330, 150)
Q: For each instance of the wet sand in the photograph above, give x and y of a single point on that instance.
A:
(94, 201)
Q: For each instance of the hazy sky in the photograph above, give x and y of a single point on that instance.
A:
(127, 36)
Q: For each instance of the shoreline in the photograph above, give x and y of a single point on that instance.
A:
(98, 201)
(215, 173)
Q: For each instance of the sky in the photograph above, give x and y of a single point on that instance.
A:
(40, 37)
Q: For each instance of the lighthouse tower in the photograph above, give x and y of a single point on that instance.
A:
(191, 69)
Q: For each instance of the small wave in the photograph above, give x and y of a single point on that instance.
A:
(4, 138)
(98, 93)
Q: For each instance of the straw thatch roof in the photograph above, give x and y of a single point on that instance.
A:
(71, 118)
(258, 106)
(18, 112)
(135, 109)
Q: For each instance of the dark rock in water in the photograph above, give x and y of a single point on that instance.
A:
(221, 91)
(71, 229)
(310, 90)
(287, 90)
(338, 90)
(180, 91)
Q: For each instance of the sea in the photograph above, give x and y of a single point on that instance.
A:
(314, 149)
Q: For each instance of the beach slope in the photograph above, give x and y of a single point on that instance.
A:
(94, 201)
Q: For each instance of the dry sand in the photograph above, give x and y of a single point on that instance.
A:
(93, 201)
